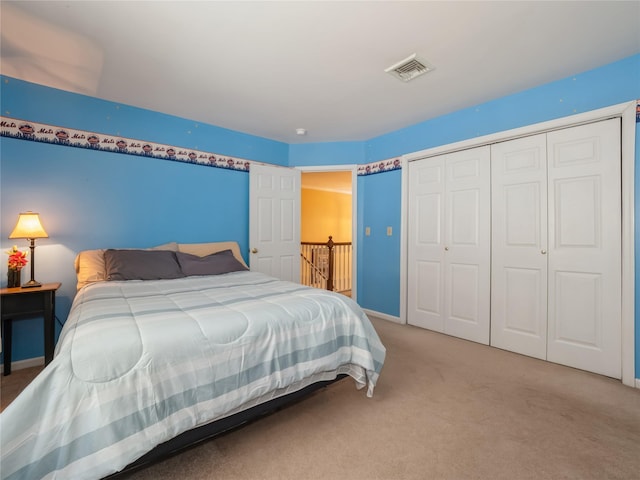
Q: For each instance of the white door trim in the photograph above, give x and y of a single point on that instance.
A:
(354, 215)
(626, 111)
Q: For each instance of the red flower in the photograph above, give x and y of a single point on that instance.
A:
(17, 259)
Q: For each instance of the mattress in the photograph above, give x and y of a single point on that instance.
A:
(139, 362)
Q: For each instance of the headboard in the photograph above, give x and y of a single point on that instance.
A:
(90, 264)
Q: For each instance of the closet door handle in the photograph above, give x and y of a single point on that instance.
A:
(544, 252)
(446, 249)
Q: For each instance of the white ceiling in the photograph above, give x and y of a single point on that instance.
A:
(267, 68)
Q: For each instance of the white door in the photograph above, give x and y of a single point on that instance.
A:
(449, 244)
(274, 221)
(425, 273)
(519, 245)
(584, 319)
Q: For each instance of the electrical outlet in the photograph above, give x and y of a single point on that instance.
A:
(367, 231)
(389, 231)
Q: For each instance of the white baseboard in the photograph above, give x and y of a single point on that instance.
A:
(638, 383)
(27, 363)
(384, 316)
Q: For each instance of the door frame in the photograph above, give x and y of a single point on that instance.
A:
(354, 215)
(627, 113)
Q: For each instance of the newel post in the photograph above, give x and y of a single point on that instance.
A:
(330, 274)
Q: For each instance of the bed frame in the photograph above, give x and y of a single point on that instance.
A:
(198, 435)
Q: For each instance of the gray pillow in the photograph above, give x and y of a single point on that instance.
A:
(141, 265)
(214, 264)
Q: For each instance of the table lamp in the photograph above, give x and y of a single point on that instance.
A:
(29, 227)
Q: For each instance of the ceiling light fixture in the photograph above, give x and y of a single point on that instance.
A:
(301, 131)
(409, 68)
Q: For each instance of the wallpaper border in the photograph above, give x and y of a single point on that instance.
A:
(72, 137)
(380, 166)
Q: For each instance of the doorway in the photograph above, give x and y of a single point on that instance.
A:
(328, 228)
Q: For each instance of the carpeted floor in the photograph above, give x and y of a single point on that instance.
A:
(444, 408)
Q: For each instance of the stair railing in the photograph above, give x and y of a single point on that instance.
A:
(327, 265)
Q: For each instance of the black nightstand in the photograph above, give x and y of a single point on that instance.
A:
(21, 302)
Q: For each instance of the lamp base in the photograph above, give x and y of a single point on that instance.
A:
(31, 283)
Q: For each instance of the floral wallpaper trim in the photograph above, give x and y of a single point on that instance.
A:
(71, 137)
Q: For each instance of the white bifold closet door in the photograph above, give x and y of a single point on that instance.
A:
(585, 232)
(556, 247)
(519, 250)
(449, 244)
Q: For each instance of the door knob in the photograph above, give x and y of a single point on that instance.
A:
(254, 250)
(446, 249)
(544, 252)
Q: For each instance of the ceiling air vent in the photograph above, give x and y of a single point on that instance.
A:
(409, 68)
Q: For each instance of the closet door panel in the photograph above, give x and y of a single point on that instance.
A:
(468, 244)
(449, 244)
(464, 286)
(519, 246)
(579, 296)
(428, 296)
(585, 248)
(522, 304)
(425, 292)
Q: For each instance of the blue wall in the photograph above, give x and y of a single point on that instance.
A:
(96, 199)
(330, 153)
(379, 253)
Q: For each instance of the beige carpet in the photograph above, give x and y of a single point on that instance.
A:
(444, 408)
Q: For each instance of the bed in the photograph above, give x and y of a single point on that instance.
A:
(162, 344)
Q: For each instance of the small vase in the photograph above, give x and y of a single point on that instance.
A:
(14, 278)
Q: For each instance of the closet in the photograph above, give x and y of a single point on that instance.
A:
(449, 234)
(541, 235)
(556, 247)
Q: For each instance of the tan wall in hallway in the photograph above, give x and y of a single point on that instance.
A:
(323, 214)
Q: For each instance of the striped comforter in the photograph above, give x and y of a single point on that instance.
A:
(140, 362)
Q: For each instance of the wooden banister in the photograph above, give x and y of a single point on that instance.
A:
(326, 265)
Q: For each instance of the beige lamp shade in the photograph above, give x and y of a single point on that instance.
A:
(29, 226)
